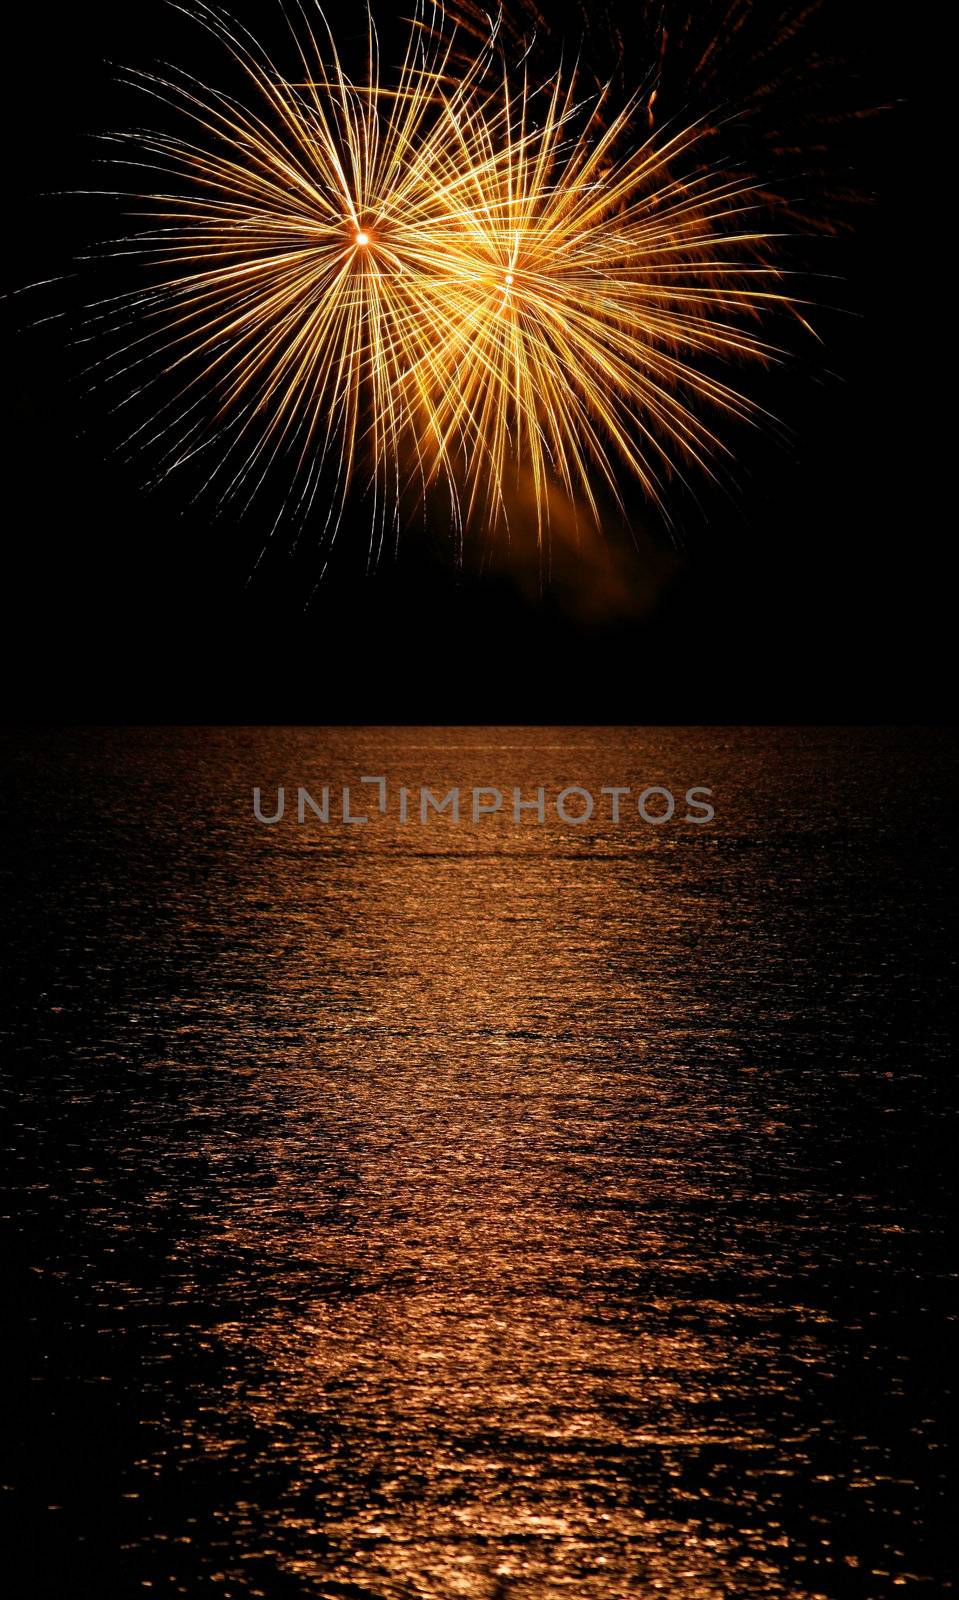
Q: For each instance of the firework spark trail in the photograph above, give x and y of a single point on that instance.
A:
(286, 298)
(587, 288)
(448, 278)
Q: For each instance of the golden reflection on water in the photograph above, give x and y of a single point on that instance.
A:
(495, 1028)
(503, 1212)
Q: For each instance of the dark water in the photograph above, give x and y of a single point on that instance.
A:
(503, 1212)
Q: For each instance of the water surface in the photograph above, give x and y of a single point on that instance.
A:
(495, 1211)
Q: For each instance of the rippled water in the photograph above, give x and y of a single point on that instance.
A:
(407, 1213)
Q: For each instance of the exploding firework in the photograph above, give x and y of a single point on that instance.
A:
(445, 277)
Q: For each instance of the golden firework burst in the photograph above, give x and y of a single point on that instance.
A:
(453, 276)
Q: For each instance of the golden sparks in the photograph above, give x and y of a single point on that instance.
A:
(452, 278)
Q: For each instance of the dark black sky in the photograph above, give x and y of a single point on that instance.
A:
(812, 589)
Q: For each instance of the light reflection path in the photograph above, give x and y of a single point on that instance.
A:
(510, 1181)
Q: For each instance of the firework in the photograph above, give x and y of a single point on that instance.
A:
(450, 275)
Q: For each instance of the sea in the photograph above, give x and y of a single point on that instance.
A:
(478, 1209)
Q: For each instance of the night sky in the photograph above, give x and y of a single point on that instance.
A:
(810, 588)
